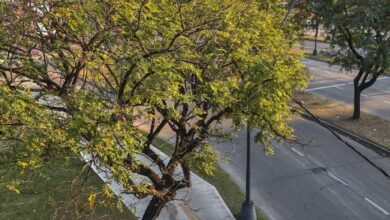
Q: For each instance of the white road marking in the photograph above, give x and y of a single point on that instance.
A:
(325, 87)
(339, 87)
(377, 206)
(388, 102)
(337, 179)
(297, 152)
(364, 95)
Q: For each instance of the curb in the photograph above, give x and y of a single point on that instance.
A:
(383, 151)
(205, 202)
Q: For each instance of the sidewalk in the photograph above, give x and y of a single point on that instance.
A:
(201, 201)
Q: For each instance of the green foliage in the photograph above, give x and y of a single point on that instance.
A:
(204, 159)
(229, 190)
(104, 66)
(361, 30)
(27, 129)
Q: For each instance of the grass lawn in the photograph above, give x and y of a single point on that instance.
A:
(56, 196)
(230, 192)
(53, 198)
(319, 57)
(369, 126)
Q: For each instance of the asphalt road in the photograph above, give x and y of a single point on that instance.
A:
(322, 179)
(330, 82)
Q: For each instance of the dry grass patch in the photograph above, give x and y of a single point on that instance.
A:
(369, 126)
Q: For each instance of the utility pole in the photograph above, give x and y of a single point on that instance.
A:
(248, 211)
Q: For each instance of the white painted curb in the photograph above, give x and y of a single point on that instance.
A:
(201, 201)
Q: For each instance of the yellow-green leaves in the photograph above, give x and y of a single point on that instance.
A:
(91, 199)
(117, 66)
(23, 164)
(204, 159)
(12, 188)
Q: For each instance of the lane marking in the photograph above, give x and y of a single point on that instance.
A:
(325, 87)
(364, 95)
(388, 102)
(377, 206)
(297, 152)
(332, 86)
(337, 179)
(339, 87)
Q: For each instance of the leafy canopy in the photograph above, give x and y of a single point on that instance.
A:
(103, 66)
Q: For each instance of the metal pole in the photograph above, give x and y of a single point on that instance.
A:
(248, 163)
(248, 211)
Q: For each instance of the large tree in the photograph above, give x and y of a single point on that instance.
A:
(361, 29)
(102, 65)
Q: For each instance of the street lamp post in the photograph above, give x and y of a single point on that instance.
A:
(248, 211)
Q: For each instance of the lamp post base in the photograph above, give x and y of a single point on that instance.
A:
(248, 211)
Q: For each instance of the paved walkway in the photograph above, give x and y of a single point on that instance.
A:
(201, 201)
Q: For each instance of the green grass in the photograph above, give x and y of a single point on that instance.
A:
(53, 198)
(319, 57)
(230, 192)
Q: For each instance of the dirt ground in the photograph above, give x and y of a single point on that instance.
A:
(369, 126)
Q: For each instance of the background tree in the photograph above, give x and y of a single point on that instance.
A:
(186, 65)
(362, 31)
(308, 16)
(316, 18)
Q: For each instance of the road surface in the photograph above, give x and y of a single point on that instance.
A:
(322, 180)
(331, 83)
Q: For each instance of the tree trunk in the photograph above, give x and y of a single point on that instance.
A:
(356, 101)
(315, 39)
(154, 208)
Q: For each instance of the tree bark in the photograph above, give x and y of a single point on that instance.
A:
(356, 102)
(356, 97)
(154, 208)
